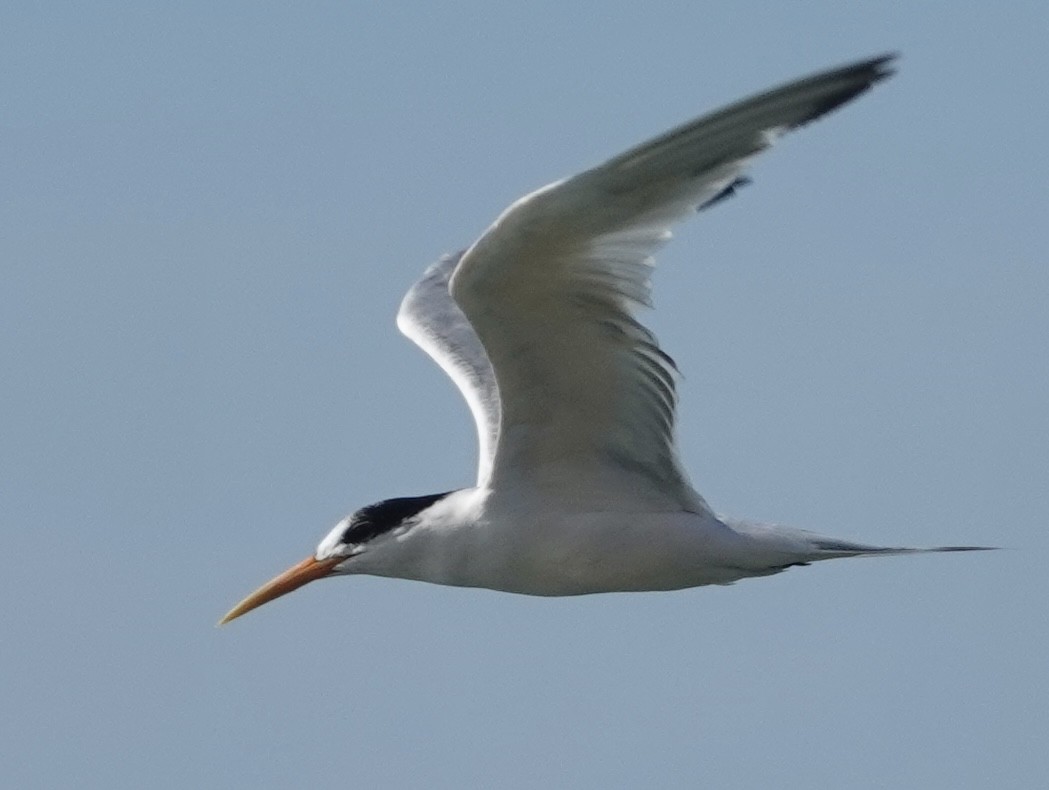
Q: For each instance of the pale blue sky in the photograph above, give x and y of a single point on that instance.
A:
(208, 215)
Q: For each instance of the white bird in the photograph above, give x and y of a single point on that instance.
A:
(579, 485)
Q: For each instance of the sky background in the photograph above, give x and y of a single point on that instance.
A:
(208, 215)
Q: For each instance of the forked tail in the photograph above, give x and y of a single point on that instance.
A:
(784, 546)
(831, 548)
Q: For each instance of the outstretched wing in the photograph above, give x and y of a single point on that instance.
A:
(587, 397)
(433, 321)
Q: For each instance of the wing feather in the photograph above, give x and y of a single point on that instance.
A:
(433, 321)
(587, 395)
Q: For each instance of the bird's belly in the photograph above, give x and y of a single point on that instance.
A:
(608, 552)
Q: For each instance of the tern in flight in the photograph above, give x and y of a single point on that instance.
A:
(579, 485)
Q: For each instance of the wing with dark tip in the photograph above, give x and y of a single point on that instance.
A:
(586, 396)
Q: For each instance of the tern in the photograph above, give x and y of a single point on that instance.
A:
(580, 488)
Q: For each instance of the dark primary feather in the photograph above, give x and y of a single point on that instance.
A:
(786, 106)
(725, 193)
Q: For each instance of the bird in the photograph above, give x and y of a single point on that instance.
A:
(580, 488)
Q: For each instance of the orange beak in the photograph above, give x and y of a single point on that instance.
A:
(305, 572)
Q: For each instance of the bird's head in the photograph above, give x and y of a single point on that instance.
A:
(339, 552)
